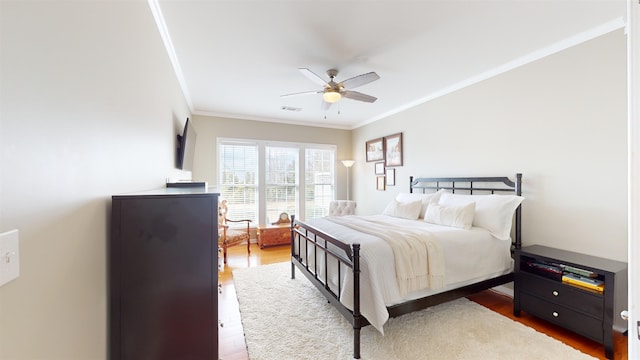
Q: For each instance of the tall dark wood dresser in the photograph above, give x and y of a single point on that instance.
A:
(163, 274)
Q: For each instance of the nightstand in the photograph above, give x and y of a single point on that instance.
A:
(542, 293)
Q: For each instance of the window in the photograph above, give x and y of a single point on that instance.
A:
(238, 170)
(319, 183)
(260, 180)
(281, 181)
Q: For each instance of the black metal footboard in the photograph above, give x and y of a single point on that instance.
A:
(316, 253)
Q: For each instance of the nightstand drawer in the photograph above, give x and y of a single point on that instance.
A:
(572, 320)
(562, 294)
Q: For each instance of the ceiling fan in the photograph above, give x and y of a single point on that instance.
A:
(333, 92)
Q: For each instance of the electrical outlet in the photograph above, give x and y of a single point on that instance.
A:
(9, 256)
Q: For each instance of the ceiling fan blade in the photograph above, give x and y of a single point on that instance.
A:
(359, 80)
(303, 93)
(354, 95)
(313, 76)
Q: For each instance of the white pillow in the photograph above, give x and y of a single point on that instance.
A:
(493, 212)
(425, 198)
(454, 216)
(406, 210)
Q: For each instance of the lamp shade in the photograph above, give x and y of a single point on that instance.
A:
(331, 96)
(348, 163)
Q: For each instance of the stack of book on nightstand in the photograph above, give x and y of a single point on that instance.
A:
(545, 269)
(583, 281)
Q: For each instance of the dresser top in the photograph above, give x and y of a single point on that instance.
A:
(171, 192)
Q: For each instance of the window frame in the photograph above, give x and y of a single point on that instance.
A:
(261, 178)
(234, 213)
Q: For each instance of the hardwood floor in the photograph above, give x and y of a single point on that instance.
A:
(231, 334)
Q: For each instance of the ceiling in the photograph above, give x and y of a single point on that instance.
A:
(236, 58)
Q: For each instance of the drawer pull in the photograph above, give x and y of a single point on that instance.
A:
(555, 293)
(555, 314)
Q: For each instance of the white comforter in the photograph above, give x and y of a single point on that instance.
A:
(419, 262)
(468, 256)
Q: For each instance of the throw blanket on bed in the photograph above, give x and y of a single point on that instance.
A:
(419, 260)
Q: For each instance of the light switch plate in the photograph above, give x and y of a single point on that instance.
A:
(9, 256)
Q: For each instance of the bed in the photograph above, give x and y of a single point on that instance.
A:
(447, 238)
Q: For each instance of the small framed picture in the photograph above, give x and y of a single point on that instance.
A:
(393, 149)
(380, 168)
(375, 149)
(380, 183)
(391, 177)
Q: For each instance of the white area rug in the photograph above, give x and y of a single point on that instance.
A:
(290, 319)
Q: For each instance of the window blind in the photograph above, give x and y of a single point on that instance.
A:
(319, 181)
(281, 181)
(239, 179)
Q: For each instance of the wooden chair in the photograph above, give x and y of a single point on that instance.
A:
(228, 236)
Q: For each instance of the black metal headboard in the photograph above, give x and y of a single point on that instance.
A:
(475, 185)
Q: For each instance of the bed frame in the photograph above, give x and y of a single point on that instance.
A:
(348, 255)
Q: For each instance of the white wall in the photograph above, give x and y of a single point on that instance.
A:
(89, 107)
(561, 121)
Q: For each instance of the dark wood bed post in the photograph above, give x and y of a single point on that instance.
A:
(293, 246)
(518, 191)
(357, 317)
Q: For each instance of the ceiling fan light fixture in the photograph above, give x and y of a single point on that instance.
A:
(331, 96)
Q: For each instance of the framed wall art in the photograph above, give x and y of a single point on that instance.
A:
(391, 177)
(375, 149)
(379, 168)
(380, 183)
(393, 149)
